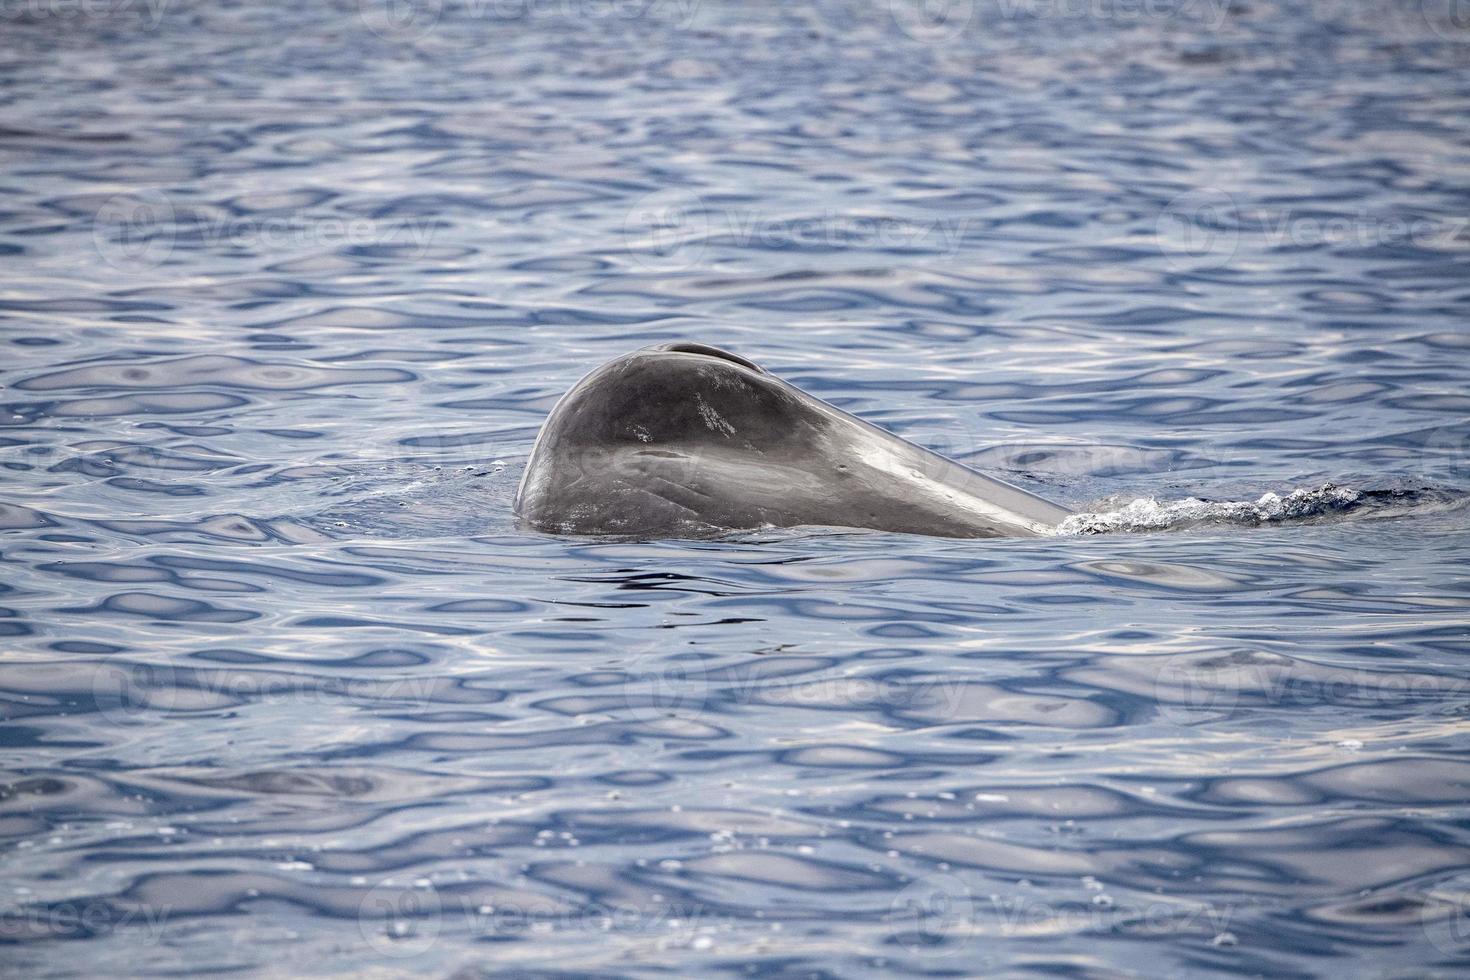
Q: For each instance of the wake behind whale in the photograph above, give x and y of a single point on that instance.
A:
(1301, 506)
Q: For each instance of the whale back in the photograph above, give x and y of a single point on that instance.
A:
(688, 440)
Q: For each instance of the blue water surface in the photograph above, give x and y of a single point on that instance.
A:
(286, 291)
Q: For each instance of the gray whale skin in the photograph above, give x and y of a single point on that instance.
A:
(685, 440)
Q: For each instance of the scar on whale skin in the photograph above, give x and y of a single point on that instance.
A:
(686, 440)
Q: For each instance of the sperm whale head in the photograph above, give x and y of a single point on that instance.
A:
(684, 438)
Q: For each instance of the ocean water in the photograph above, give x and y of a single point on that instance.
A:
(287, 290)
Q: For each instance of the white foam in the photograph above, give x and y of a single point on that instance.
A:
(1151, 514)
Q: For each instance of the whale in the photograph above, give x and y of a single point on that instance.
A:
(685, 440)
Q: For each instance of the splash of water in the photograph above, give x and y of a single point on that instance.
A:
(1151, 514)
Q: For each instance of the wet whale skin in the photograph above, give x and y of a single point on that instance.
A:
(683, 439)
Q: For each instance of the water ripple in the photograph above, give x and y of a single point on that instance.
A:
(290, 290)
